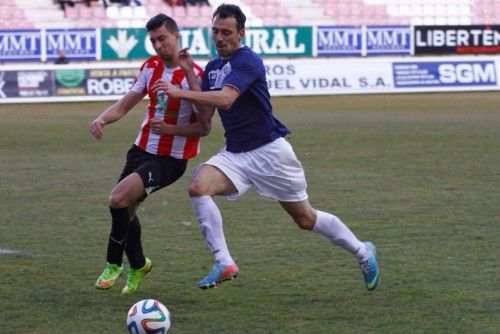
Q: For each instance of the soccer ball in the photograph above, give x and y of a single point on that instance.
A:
(148, 316)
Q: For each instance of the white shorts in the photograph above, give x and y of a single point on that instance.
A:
(273, 169)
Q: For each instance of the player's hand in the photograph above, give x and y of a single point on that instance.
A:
(96, 128)
(158, 126)
(159, 85)
(170, 90)
(185, 60)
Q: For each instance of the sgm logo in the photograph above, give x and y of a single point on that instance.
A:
(468, 73)
(444, 73)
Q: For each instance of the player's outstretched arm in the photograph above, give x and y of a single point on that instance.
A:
(216, 99)
(119, 109)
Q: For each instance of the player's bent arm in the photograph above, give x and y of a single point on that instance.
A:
(121, 107)
(216, 99)
(114, 113)
(194, 85)
(200, 128)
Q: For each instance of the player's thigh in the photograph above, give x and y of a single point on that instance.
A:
(127, 192)
(210, 180)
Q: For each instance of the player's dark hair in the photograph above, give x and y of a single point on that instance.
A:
(162, 20)
(227, 10)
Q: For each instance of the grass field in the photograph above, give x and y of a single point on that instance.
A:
(417, 174)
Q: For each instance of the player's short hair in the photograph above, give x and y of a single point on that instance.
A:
(228, 10)
(162, 20)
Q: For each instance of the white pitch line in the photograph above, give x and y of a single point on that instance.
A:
(5, 251)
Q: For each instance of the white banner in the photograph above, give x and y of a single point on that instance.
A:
(286, 77)
(382, 75)
(327, 76)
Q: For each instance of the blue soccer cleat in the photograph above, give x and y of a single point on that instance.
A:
(219, 273)
(370, 269)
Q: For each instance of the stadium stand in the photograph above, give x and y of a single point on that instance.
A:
(23, 14)
(12, 16)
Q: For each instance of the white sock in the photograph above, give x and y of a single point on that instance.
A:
(332, 227)
(210, 220)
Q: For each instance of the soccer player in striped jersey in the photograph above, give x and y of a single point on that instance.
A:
(155, 160)
(256, 154)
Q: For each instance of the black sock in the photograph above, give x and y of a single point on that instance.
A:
(118, 236)
(133, 248)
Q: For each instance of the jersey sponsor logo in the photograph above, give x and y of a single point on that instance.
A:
(216, 77)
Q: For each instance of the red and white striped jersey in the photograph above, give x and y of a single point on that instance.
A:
(178, 112)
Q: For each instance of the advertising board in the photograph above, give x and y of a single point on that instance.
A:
(474, 39)
(285, 77)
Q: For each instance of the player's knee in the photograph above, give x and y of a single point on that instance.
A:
(305, 221)
(116, 200)
(305, 224)
(195, 189)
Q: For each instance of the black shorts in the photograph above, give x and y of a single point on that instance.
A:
(156, 171)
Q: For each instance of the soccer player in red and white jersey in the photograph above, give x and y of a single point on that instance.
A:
(155, 160)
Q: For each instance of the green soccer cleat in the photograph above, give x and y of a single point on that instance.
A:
(109, 276)
(135, 276)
